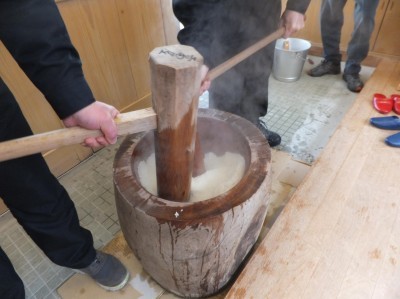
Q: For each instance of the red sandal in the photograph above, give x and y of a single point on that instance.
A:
(383, 104)
(396, 103)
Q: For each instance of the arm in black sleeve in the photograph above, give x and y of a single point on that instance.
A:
(34, 33)
(197, 17)
(298, 5)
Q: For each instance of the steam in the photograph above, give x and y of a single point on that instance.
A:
(221, 29)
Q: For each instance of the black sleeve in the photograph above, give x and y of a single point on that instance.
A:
(197, 17)
(34, 33)
(298, 5)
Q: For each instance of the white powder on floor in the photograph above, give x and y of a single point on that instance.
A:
(222, 173)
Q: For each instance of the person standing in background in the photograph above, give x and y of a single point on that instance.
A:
(220, 29)
(331, 20)
(35, 35)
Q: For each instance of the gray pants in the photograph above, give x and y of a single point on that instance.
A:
(331, 26)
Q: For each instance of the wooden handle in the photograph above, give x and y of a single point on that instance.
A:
(223, 67)
(127, 123)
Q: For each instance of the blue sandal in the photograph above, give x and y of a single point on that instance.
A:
(386, 122)
(393, 140)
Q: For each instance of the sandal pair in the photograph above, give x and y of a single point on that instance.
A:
(384, 105)
(388, 123)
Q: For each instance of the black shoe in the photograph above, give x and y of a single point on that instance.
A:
(354, 82)
(107, 271)
(326, 67)
(273, 138)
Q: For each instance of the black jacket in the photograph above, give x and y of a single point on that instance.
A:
(219, 29)
(35, 35)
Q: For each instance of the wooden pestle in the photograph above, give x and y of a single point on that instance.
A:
(175, 83)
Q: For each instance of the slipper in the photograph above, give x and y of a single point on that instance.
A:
(382, 104)
(386, 122)
(393, 140)
(396, 102)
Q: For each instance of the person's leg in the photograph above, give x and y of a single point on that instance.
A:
(37, 200)
(364, 22)
(357, 50)
(245, 93)
(255, 97)
(254, 103)
(244, 89)
(11, 286)
(331, 20)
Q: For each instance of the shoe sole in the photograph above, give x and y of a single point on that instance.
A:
(108, 288)
(328, 73)
(117, 287)
(358, 89)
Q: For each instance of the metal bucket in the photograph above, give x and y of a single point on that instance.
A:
(288, 64)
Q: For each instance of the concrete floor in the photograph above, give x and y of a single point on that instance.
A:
(305, 113)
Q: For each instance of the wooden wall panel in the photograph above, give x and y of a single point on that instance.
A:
(30, 99)
(143, 30)
(96, 32)
(114, 39)
(171, 23)
(388, 41)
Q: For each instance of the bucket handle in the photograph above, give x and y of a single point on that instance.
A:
(299, 56)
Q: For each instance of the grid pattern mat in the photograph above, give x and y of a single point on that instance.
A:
(91, 188)
(305, 113)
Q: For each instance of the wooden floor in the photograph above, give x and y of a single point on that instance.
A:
(339, 234)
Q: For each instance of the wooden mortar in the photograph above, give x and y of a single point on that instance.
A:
(193, 249)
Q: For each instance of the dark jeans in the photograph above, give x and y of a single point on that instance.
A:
(38, 201)
(331, 27)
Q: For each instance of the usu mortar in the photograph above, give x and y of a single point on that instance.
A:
(193, 249)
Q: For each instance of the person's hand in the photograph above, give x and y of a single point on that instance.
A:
(96, 116)
(205, 82)
(293, 21)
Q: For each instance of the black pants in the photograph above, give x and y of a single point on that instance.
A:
(39, 202)
(220, 29)
(243, 90)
